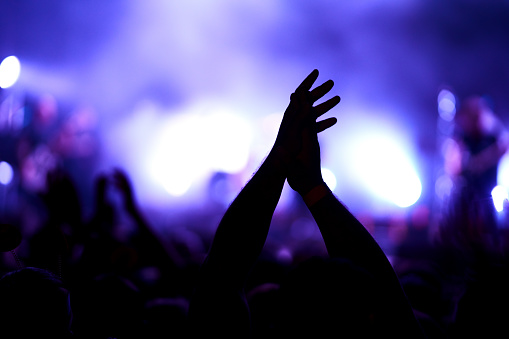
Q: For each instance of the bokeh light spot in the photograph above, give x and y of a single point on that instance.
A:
(6, 173)
(10, 69)
(446, 105)
(329, 178)
(499, 195)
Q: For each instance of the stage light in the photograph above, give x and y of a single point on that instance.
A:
(9, 71)
(503, 171)
(384, 168)
(446, 105)
(228, 139)
(499, 195)
(175, 161)
(6, 173)
(191, 146)
(329, 178)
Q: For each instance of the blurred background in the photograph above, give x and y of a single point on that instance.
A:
(187, 96)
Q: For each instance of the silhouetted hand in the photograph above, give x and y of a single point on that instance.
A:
(122, 183)
(300, 114)
(304, 171)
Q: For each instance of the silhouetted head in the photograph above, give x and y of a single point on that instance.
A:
(34, 304)
(473, 116)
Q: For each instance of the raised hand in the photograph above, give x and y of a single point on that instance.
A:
(300, 114)
(122, 183)
(304, 171)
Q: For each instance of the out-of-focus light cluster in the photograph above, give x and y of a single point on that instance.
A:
(191, 146)
(446, 105)
(10, 69)
(386, 170)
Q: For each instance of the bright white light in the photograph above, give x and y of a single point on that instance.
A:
(176, 160)
(190, 146)
(446, 105)
(503, 171)
(227, 140)
(386, 170)
(499, 195)
(9, 71)
(6, 173)
(329, 178)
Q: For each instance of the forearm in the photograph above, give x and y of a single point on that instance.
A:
(343, 234)
(242, 232)
(345, 237)
(219, 305)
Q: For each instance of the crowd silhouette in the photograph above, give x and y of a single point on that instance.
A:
(79, 276)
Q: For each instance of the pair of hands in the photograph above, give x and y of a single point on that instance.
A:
(297, 136)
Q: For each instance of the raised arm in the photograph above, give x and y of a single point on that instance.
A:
(243, 229)
(151, 248)
(219, 303)
(345, 237)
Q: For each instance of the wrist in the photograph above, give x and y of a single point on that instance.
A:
(305, 186)
(316, 194)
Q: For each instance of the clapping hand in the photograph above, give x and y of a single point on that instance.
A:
(301, 115)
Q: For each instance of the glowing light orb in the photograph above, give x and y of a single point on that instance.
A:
(9, 71)
(503, 171)
(499, 195)
(6, 173)
(329, 178)
(446, 105)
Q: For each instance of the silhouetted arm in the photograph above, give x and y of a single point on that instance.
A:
(345, 237)
(219, 305)
(145, 240)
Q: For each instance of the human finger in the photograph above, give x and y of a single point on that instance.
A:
(321, 90)
(326, 106)
(324, 124)
(308, 82)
